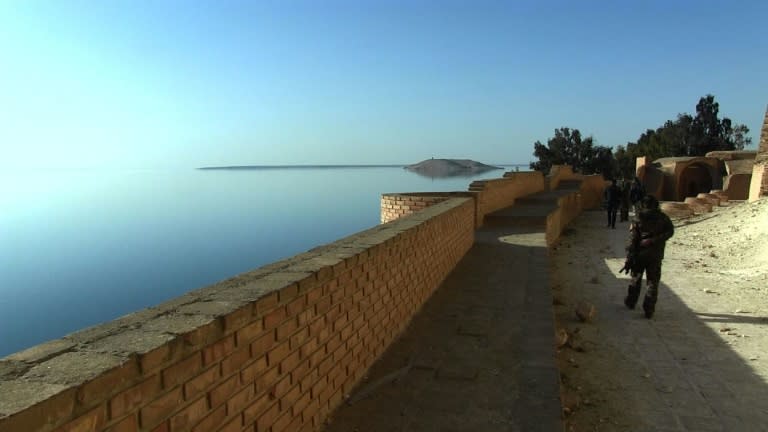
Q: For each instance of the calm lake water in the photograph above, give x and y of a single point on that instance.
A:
(82, 247)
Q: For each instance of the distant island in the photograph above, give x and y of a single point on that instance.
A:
(449, 167)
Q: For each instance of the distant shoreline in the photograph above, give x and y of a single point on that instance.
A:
(261, 167)
(267, 167)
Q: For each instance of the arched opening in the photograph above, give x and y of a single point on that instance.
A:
(694, 179)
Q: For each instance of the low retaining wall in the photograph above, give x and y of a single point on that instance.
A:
(273, 349)
(488, 196)
(568, 207)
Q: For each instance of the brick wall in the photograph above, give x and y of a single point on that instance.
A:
(275, 349)
(488, 195)
(496, 194)
(397, 205)
(568, 207)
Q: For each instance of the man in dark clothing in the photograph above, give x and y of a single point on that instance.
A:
(612, 196)
(649, 232)
(636, 193)
(625, 202)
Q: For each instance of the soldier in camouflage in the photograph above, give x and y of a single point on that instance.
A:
(649, 232)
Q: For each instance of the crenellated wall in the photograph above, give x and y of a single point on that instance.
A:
(273, 349)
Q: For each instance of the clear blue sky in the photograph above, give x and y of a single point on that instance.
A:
(192, 83)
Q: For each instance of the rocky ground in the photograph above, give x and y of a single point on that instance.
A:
(701, 362)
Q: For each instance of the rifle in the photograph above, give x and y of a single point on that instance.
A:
(631, 262)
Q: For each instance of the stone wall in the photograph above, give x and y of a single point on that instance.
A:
(759, 184)
(273, 349)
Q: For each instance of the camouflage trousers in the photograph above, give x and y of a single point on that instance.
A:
(652, 270)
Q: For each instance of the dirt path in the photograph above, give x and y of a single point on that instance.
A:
(701, 363)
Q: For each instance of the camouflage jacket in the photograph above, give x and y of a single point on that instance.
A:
(650, 224)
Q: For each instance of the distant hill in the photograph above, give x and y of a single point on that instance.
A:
(449, 167)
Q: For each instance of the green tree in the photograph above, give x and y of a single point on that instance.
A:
(568, 147)
(686, 136)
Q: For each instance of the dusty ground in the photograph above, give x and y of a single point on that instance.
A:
(701, 363)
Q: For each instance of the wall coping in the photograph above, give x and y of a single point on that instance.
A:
(127, 347)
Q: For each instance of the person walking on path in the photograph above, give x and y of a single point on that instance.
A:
(625, 201)
(612, 196)
(648, 235)
(636, 193)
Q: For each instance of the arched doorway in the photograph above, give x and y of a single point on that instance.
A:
(696, 178)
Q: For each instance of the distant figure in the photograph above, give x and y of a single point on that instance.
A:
(636, 193)
(612, 197)
(648, 234)
(625, 201)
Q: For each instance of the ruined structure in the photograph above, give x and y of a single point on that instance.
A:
(677, 178)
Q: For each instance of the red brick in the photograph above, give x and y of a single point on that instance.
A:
(241, 399)
(318, 387)
(162, 427)
(288, 293)
(201, 383)
(268, 379)
(250, 332)
(181, 371)
(281, 423)
(300, 370)
(310, 410)
(221, 392)
(160, 408)
(213, 420)
(282, 386)
(275, 317)
(59, 406)
(217, 351)
(157, 357)
(290, 398)
(300, 404)
(296, 306)
(323, 305)
(278, 353)
(298, 338)
(286, 329)
(238, 318)
(250, 371)
(313, 295)
(266, 303)
(91, 421)
(130, 399)
(128, 424)
(252, 411)
(234, 425)
(290, 362)
(205, 334)
(267, 418)
(109, 382)
(234, 362)
(262, 345)
(309, 346)
(190, 415)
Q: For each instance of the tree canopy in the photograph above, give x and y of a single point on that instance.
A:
(688, 135)
(568, 147)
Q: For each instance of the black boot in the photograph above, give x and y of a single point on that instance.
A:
(648, 307)
(629, 303)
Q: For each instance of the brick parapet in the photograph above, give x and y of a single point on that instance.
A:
(488, 196)
(278, 347)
